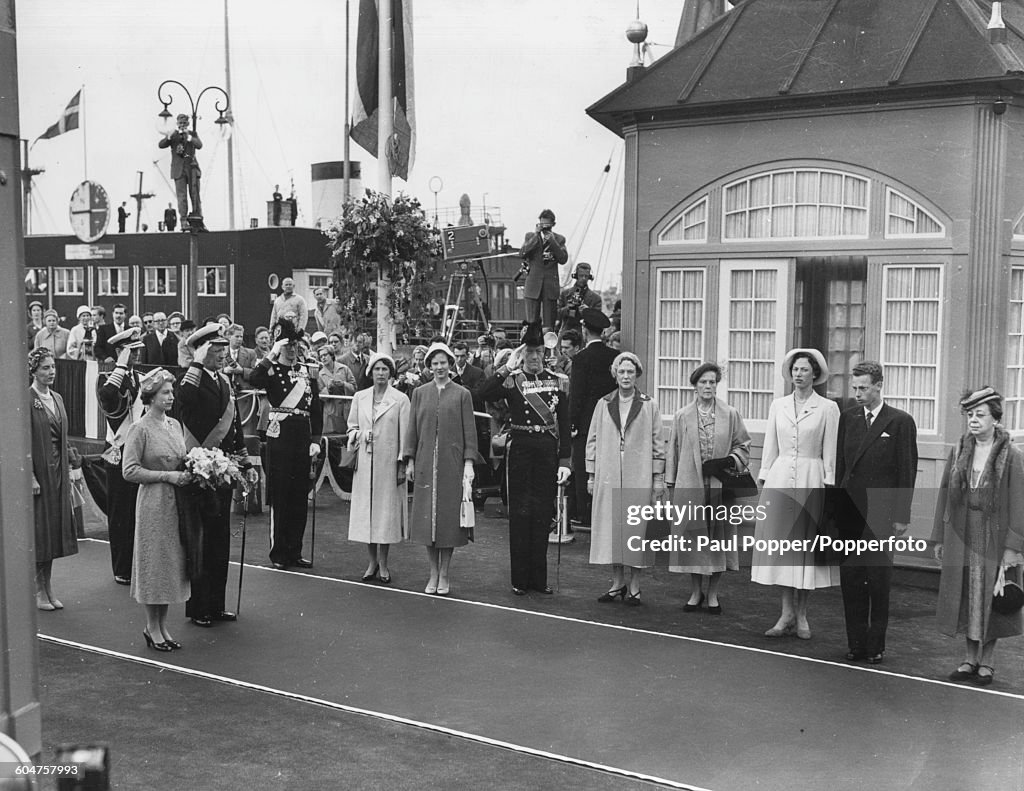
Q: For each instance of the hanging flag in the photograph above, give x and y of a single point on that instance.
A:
(401, 151)
(68, 119)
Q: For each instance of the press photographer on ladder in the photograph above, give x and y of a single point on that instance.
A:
(542, 252)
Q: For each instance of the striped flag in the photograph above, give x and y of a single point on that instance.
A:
(68, 119)
(402, 151)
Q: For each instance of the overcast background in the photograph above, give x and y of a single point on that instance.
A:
(501, 90)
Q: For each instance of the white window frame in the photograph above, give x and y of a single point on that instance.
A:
(889, 193)
(887, 366)
(784, 267)
(772, 174)
(222, 281)
(151, 281)
(60, 278)
(1014, 404)
(105, 290)
(680, 221)
(41, 270)
(684, 388)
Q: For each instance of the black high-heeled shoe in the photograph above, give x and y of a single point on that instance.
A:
(155, 645)
(633, 600)
(694, 607)
(173, 644)
(604, 598)
(371, 576)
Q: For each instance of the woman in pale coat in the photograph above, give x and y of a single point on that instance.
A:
(440, 449)
(626, 469)
(376, 424)
(799, 460)
(979, 527)
(708, 437)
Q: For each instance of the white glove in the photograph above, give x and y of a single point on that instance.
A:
(123, 357)
(275, 350)
(314, 450)
(563, 475)
(202, 351)
(410, 470)
(468, 475)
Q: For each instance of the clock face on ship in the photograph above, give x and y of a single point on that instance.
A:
(89, 211)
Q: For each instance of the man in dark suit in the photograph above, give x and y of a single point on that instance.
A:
(210, 420)
(876, 467)
(161, 345)
(590, 380)
(184, 143)
(465, 373)
(102, 350)
(240, 361)
(542, 251)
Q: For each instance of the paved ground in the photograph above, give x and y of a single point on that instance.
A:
(242, 736)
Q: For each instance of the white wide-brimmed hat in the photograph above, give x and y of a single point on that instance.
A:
(377, 357)
(439, 346)
(819, 358)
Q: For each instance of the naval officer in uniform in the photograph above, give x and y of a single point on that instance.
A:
(293, 439)
(537, 456)
(210, 419)
(118, 396)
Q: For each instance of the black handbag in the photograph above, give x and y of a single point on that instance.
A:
(1012, 598)
(736, 485)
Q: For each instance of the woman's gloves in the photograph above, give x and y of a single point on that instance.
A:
(717, 466)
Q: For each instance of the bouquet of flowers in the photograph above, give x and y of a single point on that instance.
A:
(212, 468)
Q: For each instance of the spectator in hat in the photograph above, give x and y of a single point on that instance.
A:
(576, 297)
(263, 342)
(82, 337)
(35, 323)
(335, 379)
(590, 380)
(103, 351)
(224, 320)
(185, 353)
(440, 448)
(317, 341)
(161, 346)
(174, 323)
(542, 252)
(797, 463)
(52, 336)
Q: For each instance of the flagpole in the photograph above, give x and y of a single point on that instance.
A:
(81, 123)
(347, 183)
(385, 129)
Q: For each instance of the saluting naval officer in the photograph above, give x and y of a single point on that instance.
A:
(293, 438)
(118, 395)
(210, 419)
(537, 455)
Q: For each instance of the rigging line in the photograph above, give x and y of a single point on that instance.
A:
(270, 115)
(609, 227)
(594, 194)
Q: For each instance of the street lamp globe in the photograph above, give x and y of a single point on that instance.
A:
(224, 126)
(165, 122)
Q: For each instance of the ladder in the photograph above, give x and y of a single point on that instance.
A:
(462, 292)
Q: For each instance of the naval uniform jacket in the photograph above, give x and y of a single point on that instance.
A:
(118, 393)
(278, 379)
(537, 404)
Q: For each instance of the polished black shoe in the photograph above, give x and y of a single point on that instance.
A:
(385, 579)
(162, 647)
(694, 607)
(173, 644)
(223, 615)
(608, 596)
(518, 591)
(856, 656)
(371, 575)
(547, 590)
(123, 580)
(984, 679)
(279, 566)
(203, 621)
(876, 659)
(302, 563)
(715, 610)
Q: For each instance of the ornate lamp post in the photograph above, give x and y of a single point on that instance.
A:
(185, 169)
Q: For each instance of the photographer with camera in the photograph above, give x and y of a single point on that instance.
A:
(542, 252)
(575, 298)
(185, 171)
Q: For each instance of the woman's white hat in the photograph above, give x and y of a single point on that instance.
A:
(819, 358)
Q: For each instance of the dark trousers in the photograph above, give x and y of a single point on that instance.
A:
(287, 489)
(532, 487)
(865, 580)
(579, 477)
(120, 520)
(541, 309)
(208, 590)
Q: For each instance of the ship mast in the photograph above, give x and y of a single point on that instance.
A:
(231, 120)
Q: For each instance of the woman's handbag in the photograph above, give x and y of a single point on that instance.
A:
(1007, 597)
(736, 485)
(349, 458)
(467, 511)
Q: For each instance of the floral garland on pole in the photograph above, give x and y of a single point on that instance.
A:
(378, 236)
